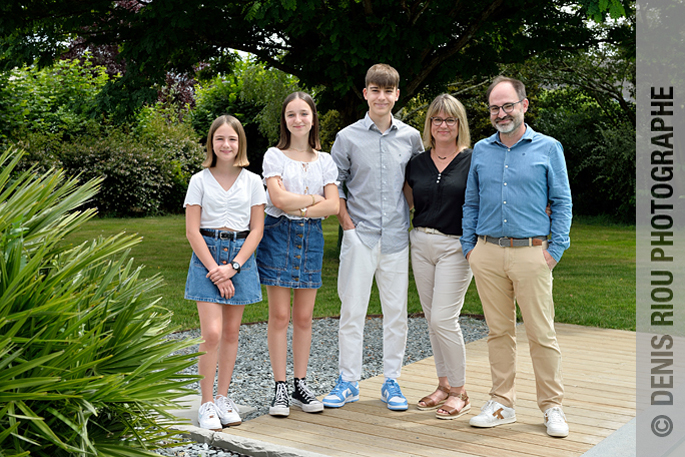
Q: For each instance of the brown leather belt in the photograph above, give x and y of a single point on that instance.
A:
(506, 242)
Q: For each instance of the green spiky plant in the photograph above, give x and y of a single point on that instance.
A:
(85, 365)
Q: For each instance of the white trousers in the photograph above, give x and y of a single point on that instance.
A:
(359, 265)
(442, 276)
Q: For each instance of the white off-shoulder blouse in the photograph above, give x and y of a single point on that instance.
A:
(306, 178)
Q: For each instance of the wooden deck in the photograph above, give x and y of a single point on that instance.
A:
(599, 375)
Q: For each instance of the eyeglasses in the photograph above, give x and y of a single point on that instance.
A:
(450, 121)
(507, 107)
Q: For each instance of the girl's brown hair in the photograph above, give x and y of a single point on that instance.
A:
(284, 141)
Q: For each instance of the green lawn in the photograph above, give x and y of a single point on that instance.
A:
(594, 284)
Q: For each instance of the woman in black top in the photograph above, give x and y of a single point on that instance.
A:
(435, 187)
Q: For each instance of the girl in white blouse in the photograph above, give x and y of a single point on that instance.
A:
(301, 191)
(224, 224)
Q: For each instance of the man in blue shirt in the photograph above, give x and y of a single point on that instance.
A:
(514, 174)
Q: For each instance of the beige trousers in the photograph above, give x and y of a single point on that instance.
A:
(504, 277)
(442, 277)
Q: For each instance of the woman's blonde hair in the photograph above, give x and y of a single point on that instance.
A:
(452, 108)
(241, 157)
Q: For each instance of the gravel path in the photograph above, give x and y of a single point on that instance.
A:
(252, 383)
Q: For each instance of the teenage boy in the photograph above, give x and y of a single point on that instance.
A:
(371, 156)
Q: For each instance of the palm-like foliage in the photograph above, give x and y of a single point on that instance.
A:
(85, 365)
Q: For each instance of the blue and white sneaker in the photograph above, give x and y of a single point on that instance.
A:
(391, 394)
(343, 392)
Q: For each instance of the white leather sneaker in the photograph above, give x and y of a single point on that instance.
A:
(208, 417)
(555, 421)
(227, 411)
(493, 414)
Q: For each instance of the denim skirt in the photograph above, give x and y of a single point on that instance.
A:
(246, 283)
(291, 253)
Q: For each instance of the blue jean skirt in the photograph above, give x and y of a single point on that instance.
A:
(291, 253)
(246, 283)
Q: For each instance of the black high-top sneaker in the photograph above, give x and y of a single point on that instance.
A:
(280, 406)
(304, 398)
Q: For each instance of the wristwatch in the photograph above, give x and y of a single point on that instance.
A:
(236, 266)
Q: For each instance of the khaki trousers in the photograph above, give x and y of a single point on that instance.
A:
(504, 277)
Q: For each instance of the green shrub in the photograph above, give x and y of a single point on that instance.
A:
(60, 98)
(179, 149)
(599, 151)
(85, 364)
(222, 96)
(145, 172)
(329, 126)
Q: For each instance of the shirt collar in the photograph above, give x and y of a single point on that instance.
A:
(368, 123)
(527, 136)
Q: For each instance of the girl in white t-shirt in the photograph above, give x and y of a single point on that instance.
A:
(301, 190)
(224, 224)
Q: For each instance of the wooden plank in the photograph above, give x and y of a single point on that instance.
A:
(459, 430)
(598, 370)
(312, 432)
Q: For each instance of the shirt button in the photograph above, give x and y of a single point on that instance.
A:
(300, 235)
(224, 262)
(225, 249)
(505, 202)
(506, 166)
(301, 225)
(505, 220)
(297, 256)
(299, 246)
(508, 149)
(505, 184)
(296, 268)
(296, 279)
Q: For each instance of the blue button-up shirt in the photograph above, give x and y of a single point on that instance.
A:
(509, 187)
(372, 165)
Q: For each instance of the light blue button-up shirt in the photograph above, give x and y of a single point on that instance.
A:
(509, 187)
(372, 166)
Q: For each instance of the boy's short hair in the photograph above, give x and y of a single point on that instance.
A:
(382, 75)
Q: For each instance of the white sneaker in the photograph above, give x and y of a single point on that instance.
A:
(227, 410)
(555, 421)
(493, 414)
(207, 417)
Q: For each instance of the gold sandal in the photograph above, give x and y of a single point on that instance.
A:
(453, 413)
(429, 403)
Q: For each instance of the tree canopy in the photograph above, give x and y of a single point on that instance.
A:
(329, 43)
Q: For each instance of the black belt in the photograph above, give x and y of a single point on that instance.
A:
(224, 234)
(506, 242)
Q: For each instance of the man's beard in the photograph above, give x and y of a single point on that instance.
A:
(508, 128)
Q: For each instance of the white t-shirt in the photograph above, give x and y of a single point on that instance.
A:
(306, 178)
(221, 208)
